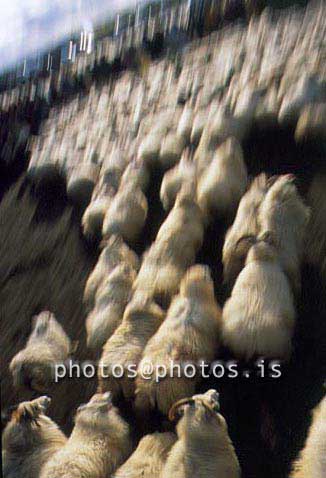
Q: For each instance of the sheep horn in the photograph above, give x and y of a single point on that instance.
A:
(249, 237)
(175, 406)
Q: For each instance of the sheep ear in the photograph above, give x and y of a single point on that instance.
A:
(81, 407)
(43, 403)
(41, 323)
(107, 396)
(177, 407)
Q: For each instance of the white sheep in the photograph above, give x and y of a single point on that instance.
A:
(189, 334)
(204, 447)
(283, 218)
(259, 317)
(48, 344)
(127, 213)
(224, 181)
(141, 319)
(148, 459)
(98, 445)
(110, 301)
(114, 252)
(244, 230)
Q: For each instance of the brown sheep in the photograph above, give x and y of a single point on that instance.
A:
(124, 348)
(189, 334)
(224, 181)
(48, 344)
(283, 218)
(204, 448)
(148, 459)
(312, 460)
(111, 299)
(98, 445)
(258, 318)
(29, 440)
(114, 252)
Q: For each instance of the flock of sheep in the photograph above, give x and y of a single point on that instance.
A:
(161, 307)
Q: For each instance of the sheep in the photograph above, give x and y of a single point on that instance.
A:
(114, 252)
(283, 218)
(259, 317)
(185, 124)
(93, 217)
(110, 301)
(81, 183)
(311, 123)
(148, 459)
(174, 250)
(312, 460)
(138, 173)
(174, 178)
(127, 213)
(224, 181)
(99, 443)
(198, 126)
(171, 150)
(29, 440)
(110, 176)
(204, 447)
(48, 344)
(189, 334)
(141, 319)
(244, 230)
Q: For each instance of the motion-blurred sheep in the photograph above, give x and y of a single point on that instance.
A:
(29, 440)
(141, 320)
(204, 447)
(114, 252)
(110, 301)
(283, 217)
(98, 445)
(48, 344)
(189, 334)
(127, 213)
(149, 458)
(224, 181)
(184, 172)
(174, 250)
(258, 319)
(242, 234)
(137, 173)
(312, 460)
